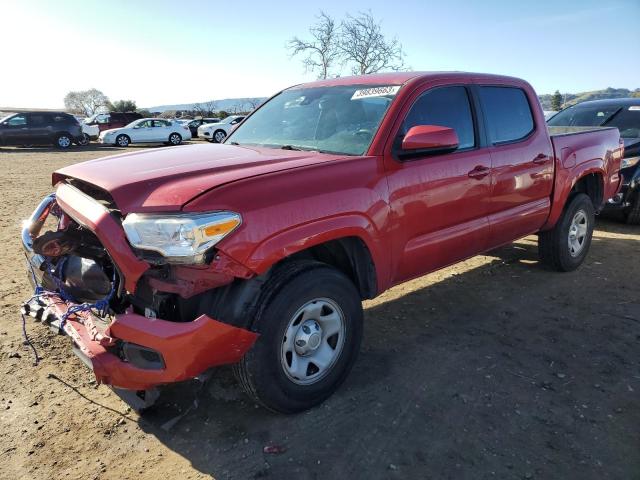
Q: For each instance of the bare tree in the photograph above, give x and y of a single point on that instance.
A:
(210, 107)
(363, 44)
(254, 103)
(323, 48)
(85, 102)
(199, 109)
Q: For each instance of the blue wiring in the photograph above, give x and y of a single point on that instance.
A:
(101, 306)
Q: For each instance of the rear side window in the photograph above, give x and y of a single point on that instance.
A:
(447, 107)
(38, 120)
(507, 113)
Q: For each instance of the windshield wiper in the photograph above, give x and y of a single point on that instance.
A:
(290, 147)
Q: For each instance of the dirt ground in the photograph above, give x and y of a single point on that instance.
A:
(493, 368)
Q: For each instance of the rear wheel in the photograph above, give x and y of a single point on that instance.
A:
(566, 246)
(84, 140)
(63, 141)
(632, 216)
(219, 136)
(310, 326)
(175, 139)
(123, 141)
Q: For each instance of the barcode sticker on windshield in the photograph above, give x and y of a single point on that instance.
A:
(634, 108)
(375, 92)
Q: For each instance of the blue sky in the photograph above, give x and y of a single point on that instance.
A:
(161, 52)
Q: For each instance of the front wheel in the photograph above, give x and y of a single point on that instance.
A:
(310, 331)
(123, 141)
(565, 247)
(632, 216)
(219, 136)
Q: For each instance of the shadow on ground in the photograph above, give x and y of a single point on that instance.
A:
(505, 371)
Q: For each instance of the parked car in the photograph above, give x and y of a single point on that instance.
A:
(110, 120)
(196, 123)
(624, 114)
(147, 130)
(217, 132)
(259, 252)
(40, 128)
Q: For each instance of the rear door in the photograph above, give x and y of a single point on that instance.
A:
(522, 163)
(40, 128)
(439, 201)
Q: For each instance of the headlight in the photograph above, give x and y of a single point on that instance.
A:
(181, 238)
(629, 162)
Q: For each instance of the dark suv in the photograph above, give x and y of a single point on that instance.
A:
(40, 128)
(109, 120)
(623, 113)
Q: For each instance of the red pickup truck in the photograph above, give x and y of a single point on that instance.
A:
(165, 263)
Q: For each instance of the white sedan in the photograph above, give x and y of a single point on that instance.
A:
(217, 132)
(147, 130)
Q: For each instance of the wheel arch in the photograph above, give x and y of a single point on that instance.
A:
(348, 243)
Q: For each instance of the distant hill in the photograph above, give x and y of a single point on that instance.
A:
(573, 98)
(228, 104)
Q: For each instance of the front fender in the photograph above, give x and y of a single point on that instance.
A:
(301, 237)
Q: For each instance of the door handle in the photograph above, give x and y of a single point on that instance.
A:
(479, 172)
(541, 159)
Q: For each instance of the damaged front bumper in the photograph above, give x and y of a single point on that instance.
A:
(138, 353)
(133, 352)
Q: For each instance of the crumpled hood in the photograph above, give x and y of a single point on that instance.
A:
(165, 179)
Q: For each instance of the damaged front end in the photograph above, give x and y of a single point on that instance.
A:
(136, 323)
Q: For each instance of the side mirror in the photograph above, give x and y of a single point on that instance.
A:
(430, 138)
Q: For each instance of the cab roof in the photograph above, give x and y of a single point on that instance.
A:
(400, 78)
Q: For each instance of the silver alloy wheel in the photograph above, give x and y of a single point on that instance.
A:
(123, 141)
(219, 136)
(84, 140)
(313, 341)
(175, 139)
(64, 141)
(578, 233)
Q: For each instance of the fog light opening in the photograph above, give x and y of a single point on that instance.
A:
(142, 357)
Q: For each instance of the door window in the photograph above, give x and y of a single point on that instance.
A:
(38, 120)
(160, 123)
(507, 113)
(447, 107)
(17, 121)
(145, 124)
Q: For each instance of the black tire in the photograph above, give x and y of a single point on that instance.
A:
(63, 141)
(123, 140)
(553, 245)
(175, 139)
(213, 136)
(632, 216)
(261, 372)
(84, 140)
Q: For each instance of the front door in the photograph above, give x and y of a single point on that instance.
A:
(16, 130)
(143, 132)
(439, 202)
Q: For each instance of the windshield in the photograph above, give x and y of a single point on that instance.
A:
(340, 119)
